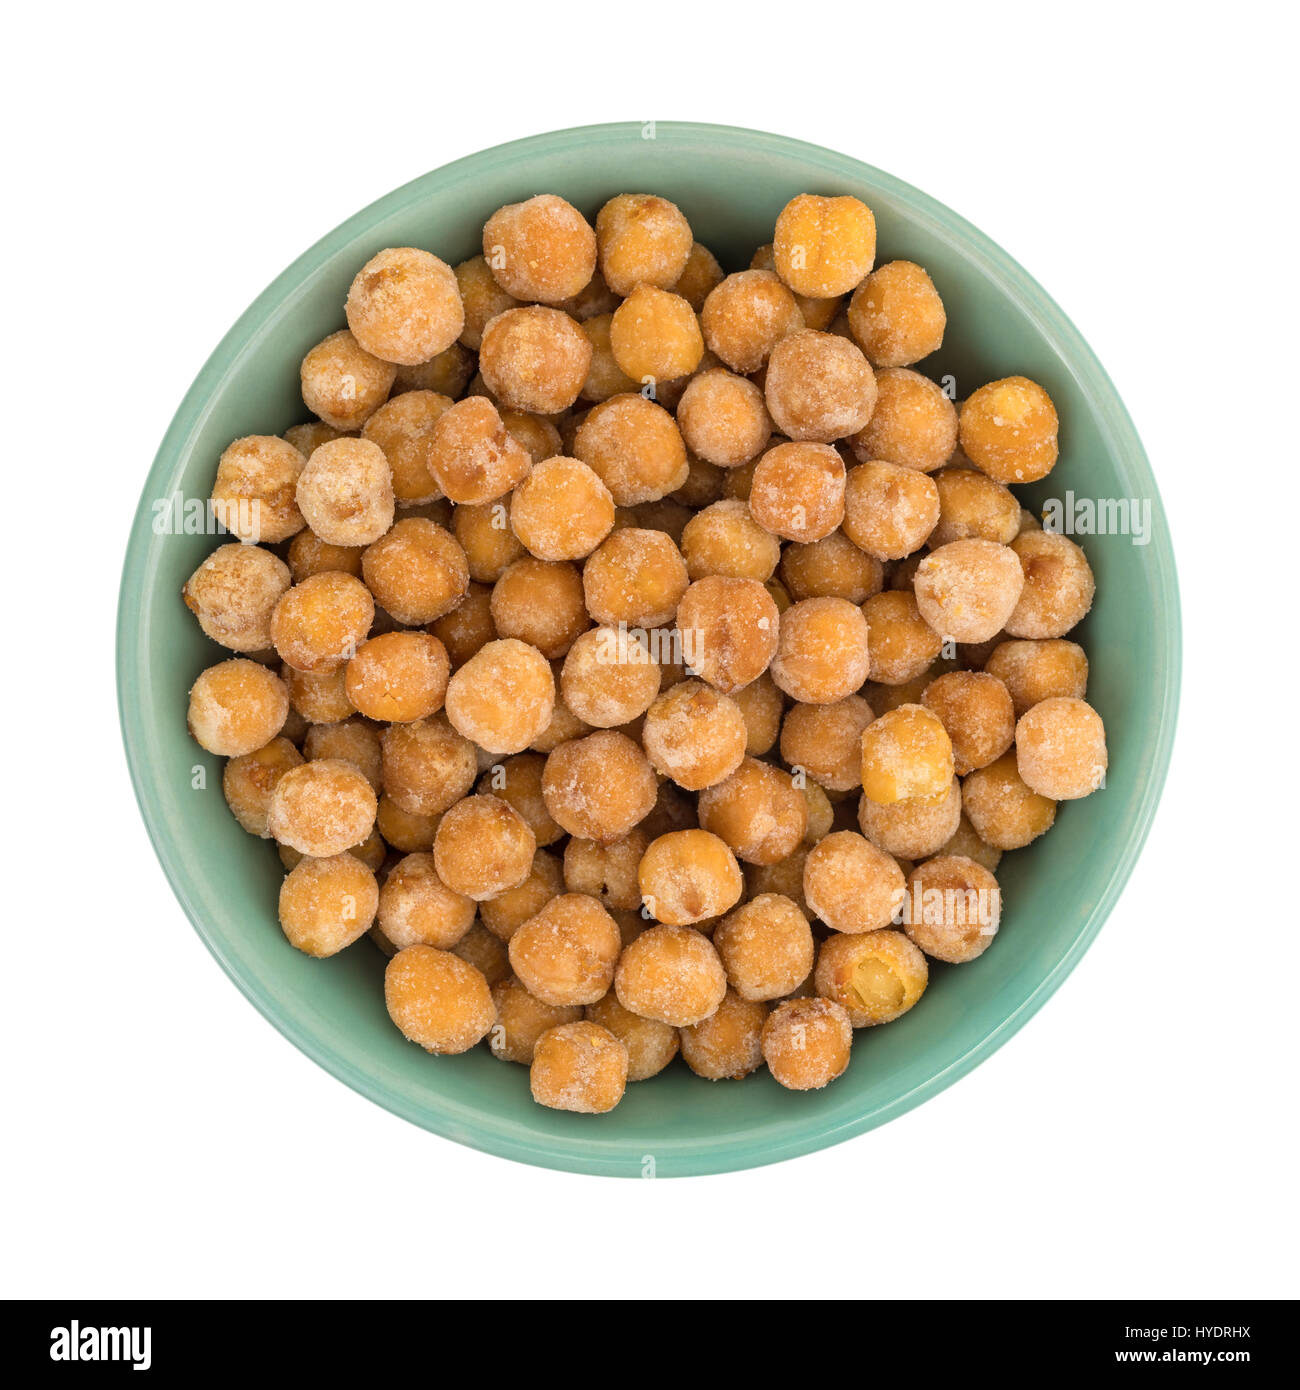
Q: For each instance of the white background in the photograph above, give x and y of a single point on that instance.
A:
(1137, 1138)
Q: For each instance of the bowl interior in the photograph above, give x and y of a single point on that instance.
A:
(731, 184)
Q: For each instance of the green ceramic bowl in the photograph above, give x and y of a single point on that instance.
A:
(731, 184)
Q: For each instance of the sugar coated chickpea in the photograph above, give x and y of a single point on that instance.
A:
(766, 946)
(703, 484)
(746, 315)
(1003, 810)
(724, 538)
(483, 532)
(1061, 748)
(561, 510)
(503, 697)
(819, 387)
(605, 378)
(479, 948)
(598, 787)
(427, 766)
(416, 908)
(702, 274)
(688, 876)
(317, 625)
(504, 914)
(729, 630)
(975, 709)
(542, 249)
(327, 903)
(761, 705)
(896, 315)
(445, 374)
(966, 843)
(952, 908)
(482, 299)
(540, 602)
(472, 456)
(967, 589)
(636, 577)
(912, 827)
(901, 644)
(1058, 589)
(642, 240)
(757, 811)
(534, 358)
(797, 491)
(1039, 670)
(634, 447)
(318, 697)
(346, 492)
(607, 872)
(723, 417)
(309, 555)
(403, 429)
(438, 1000)
(521, 1019)
(580, 1067)
(352, 741)
(322, 808)
(822, 654)
(851, 884)
(650, 1044)
(671, 973)
(237, 707)
(906, 753)
(254, 495)
(406, 832)
(913, 424)
(310, 435)
(398, 677)
(248, 782)
(726, 1046)
(468, 628)
(875, 976)
(482, 847)
(1009, 430)
(404, 306)
(609, 677)
(343, 383)
(972, 505)
(807, 1043)
(567, 952)
(694, 734)
(889, 510)
(826, 741)
(233, 594)
(833, 567)
(518, 780)
(824, 247)
(536, 435)
(655, 336)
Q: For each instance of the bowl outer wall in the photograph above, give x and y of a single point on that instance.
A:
(1057, 893)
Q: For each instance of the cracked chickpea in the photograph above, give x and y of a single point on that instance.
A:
(875, 976)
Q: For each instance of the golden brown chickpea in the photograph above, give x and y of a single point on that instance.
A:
(504, 914)
(875, 976)
(580, 1067)
(729, 630)
(822, 654)
(518, 781)
(417, 572)
(542, 249)
(766, 946)
(826, 741)
(541, 603)
(308, 437)
(1008, 430)
(598, 787)
(737, 482)
(746, 315)
(655, 336)
(398, 677)
(605, 378)
(566, 953)
(635, 577)
(819, 387)
(537, 436)
(406, 831)
(1003, 811)
(468, 628)
(343, 383)
(482, 297)
(404, 306)
(318, 697)
(1059, 586)
(522, 1018)
(1061, 749)
(233, 594)
(952, 909)
(1034, 671)
(807, 1043)
(896, 315)
(642, 240)
(254, 495)
(534, 359)
(403, 430)
(976, 710)
(725, 539)
(889, 510)
(479, 948)
(702, 274)
(634, 447)
(694, 734)
(703, 485)
(483, 532)
(428, 766)
(914, 424)
(345, 492)
(761, 705)
(726, 1046)
(651, 1045)
(472, 456)
(562, 510)
(797, 491)
(968, 845)
(906, 753)
(912, 827)
(351, 741)
(438, 1000)
(672, 974)
(607, 872)
(327, 903)
(972, 505)
(967, 590)
(609, 677)
(902, 645)
(309, 555)
(563, 726)
(757, 811)
(237, 707)
(851, 884)
(723, 418)
(824, 246)
(446, 374)
(817, 313)
(503, 697)
(416, 908)
(482, 847)
(833, 567)
(664, 515)
(248, 781)
(688, 876)
(322, 808)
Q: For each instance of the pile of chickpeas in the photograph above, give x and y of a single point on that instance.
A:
(650, 659)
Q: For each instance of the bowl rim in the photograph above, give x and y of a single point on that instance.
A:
(460, 1123)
